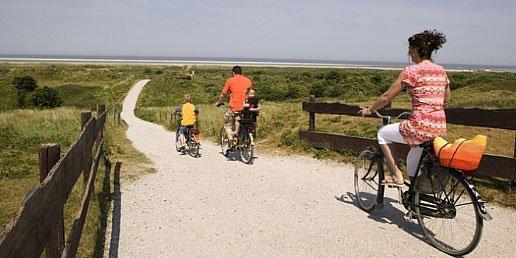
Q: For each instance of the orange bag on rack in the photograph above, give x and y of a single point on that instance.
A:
(462, 154)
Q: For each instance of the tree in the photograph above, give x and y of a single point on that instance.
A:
(24, 85)
(46, 97)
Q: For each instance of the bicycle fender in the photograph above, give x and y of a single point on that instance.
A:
(480, 202)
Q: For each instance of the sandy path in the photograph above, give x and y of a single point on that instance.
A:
(279, 206)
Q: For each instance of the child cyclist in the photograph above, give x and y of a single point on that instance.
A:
(251, 109)
(188, 113)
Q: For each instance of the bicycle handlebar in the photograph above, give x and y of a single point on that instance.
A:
(388, 117)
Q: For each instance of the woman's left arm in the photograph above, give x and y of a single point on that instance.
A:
(393, 91)
(447, 96)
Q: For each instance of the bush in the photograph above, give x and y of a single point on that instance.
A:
(23, 85)
(46, 97)
(317, 90)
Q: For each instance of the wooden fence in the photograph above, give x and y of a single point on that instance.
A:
(491, 165)
(39, 223)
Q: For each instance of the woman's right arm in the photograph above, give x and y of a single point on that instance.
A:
(394, 90)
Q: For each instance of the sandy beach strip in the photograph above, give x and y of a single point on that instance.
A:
(153, 62)
(201, 63)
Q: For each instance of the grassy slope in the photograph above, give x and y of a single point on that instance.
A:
(22, 131)
(279, 122)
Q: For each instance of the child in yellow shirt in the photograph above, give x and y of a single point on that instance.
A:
(189, 113)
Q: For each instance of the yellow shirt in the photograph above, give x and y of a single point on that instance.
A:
(188, 112)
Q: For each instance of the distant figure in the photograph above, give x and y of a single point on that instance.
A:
(428, 86)
(185, 72)
(236, 87)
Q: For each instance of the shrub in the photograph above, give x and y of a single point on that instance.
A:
(23, 85)
(333, 76)
(46, 97)
(376, 79)
(317, 90)
(4, 70)
(288, 138)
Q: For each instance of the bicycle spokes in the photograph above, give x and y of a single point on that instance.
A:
(449, 218)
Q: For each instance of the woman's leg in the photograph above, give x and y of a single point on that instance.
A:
(413, 158)
(387, 135)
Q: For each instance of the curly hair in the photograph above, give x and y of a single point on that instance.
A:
(426, 42)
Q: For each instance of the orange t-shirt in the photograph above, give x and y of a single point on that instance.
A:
(237, 87)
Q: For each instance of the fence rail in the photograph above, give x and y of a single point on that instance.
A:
(491, 165)
(41, 212)
(497, 118)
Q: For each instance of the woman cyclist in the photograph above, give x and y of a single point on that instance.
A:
(428, 86)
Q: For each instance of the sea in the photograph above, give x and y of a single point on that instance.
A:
(241, 61)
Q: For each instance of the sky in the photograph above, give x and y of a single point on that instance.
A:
(478, 32)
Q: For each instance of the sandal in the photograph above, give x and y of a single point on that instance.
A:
(391, 182)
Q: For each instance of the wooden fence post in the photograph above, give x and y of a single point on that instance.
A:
(85, 117)
(100, 109)
(513, 181)
(311, 119)
(49, 154)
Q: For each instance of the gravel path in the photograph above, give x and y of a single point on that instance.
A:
(279, 206)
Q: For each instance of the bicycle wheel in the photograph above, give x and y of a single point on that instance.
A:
(178, 145)
(450, 218)
(193, 146)
(224, 143)
(367, 177)
(247, 148)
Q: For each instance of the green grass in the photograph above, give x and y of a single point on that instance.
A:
(81, 86)
(22, 131)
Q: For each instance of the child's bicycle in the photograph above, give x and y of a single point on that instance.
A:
(192, 144)
(244, 143)
(446, 205)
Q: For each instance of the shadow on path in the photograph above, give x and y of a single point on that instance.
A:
(104, 199)
(388, 214)
(117, 204)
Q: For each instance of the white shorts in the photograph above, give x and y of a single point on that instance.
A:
(391, 133)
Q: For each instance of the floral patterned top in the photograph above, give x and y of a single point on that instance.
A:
(426, 83)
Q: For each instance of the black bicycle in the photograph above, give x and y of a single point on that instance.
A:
(244, 143)
(446, 205)
(192, 144)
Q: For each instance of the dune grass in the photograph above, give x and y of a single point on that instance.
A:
(23, 130)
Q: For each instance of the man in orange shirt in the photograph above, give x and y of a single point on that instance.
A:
(236, 87)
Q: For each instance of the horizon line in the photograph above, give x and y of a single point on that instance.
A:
(194, 59)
